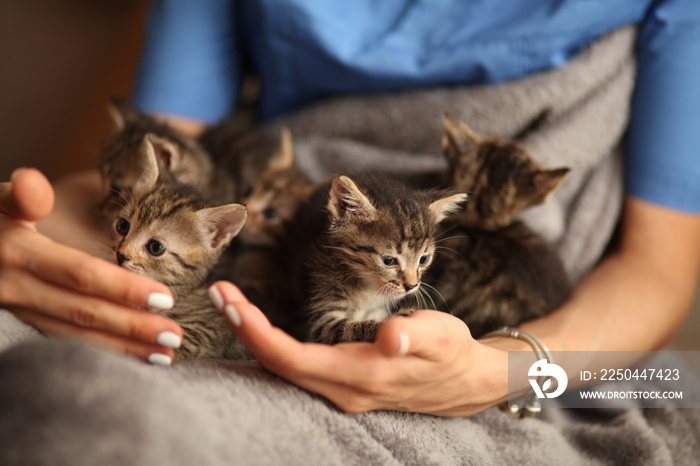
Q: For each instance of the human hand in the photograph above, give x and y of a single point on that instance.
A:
(426, 362)
(66, 292)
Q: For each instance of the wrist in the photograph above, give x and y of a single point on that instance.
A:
(529, 407)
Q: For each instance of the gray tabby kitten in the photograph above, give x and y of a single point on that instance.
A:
(165, 230)
(363, 246)
(500, 272)
(179, 155)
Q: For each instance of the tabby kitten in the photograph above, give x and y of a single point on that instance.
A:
(275, 196)
(179, 155)
(257, 261)
(500, 272)
(363, 246)
(166, 231)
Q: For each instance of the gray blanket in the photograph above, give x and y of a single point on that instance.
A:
(68, 403)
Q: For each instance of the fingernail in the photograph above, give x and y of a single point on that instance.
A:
(160, 301)
(232, 314)
(216, 298)
(169, 339)
(159, 359)
(403, 344)
(15, 172)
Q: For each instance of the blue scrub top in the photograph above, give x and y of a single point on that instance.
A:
(304, 50)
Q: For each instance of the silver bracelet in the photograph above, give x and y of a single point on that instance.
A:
(531, 407)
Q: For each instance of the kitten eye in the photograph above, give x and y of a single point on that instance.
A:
(122, 226)
(389, 261)
(424, 259)
(155, 248)
(270, 213)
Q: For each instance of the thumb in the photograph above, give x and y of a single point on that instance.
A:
(28, 196)
(425, 334)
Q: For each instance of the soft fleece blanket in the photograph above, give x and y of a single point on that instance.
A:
(67, 403)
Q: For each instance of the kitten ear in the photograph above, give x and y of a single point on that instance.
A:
(121, 112)
(541, 184)
(220, 224)
(147, 168)
(346, 199)
(166, 150)
(284, 156)
(458, 139)
(448, 205)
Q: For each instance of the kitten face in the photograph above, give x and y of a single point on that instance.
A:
(386, 236)
(166, 231)
(179, 156)
(499, 174)
(275, 196)
(169, 250)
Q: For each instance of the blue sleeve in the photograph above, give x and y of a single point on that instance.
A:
(663, 147)
(189, 65)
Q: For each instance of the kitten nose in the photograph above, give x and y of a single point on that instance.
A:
(121, 258)
(409, 286)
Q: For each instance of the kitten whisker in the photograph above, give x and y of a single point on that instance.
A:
(437, 292)
(441, 240)
(446, 251)
(445, 231)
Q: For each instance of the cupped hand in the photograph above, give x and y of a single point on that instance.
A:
(66, 292)
(426, 362)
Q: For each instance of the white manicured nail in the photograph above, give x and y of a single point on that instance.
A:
(403, 344)
(160, 359)
(160, 301)
(15, 173)
(232, 314)
(169, 339)
(216, 298)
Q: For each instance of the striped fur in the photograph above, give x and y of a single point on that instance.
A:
(495, 271)
(274, 197)
(193, 234)
(362, 248)
(179, 156)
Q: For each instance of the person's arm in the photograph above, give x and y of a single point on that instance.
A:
(190, 64)
(67, 292)
(428, 362)
(638, 297)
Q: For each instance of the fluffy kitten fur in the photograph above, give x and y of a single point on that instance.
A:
(275, 196)
(363, 246)
(165, 230)
(178, 155)
(500, 272)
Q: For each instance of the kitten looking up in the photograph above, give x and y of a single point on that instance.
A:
(362, 247)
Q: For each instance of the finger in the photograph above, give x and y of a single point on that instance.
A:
(155, 354)
(270, 345)
(81, 272)
(274, 348)
(23, 290)
(426, 334)
(29, 196)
